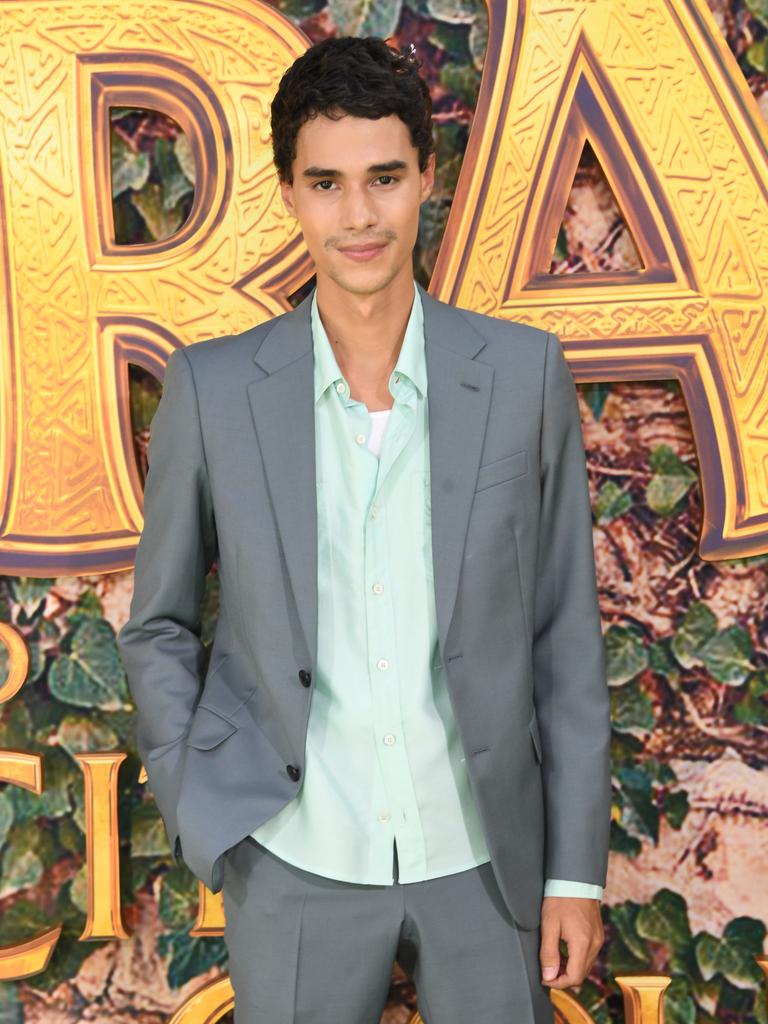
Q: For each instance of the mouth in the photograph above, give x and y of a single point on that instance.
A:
(361, 254)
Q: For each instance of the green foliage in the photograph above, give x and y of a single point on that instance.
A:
(670, 481)
(189, 955)
(89, 672)
(75, 698)
(710, 974)
(365, 17)
(625, 653)
(611, 502)
(727, 654)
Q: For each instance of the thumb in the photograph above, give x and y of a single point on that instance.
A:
(549, 954)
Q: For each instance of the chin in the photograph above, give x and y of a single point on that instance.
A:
(364, 279)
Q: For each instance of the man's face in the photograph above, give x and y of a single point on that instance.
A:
(356, 182)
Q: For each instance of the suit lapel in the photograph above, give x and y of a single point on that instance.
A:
(283, 411)
(458, 397)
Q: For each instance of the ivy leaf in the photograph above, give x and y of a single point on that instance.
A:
(191, 956)
(753, 706)
(31, 593)
(61, 776)
(732, 956)
(697, 627)
(462, 80)
(759, 8)
(176, 185)
(631, 709)
(707, 993)
(727, 655)
(148, 835)
(182, 150)
(611, 502)
(640, 814)
(661, 660)
(478, 38)
(78, 734)
(453, 39)
(15, 726)
(670, 481)
(130, 167)
(160, 222)
(626, 655)
(757, 55)
(679, 1004)
(20, 921)
(366, 17)
(675, 807)
(622, 842)
(623, 917)
(21, 869)
(90, 674)
(455, 12)
(178, 900)
(595, 393)
(665, 920)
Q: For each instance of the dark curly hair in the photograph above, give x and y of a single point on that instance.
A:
(361, 76)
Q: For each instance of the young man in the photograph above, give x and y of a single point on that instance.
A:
(400, 746)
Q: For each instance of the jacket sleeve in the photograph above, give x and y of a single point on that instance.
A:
(569, 676)
(160, 644)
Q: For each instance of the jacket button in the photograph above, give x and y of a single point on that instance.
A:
(294, 771)
(305, 676)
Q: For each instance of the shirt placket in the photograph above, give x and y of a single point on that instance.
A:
(394, 806)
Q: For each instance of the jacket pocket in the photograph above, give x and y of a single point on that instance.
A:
(501, 470)
(208, 728)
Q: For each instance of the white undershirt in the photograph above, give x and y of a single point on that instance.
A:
(379, 421)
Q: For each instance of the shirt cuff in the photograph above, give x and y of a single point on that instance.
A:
(564, 887)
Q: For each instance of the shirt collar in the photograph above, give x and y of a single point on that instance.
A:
(411, 362)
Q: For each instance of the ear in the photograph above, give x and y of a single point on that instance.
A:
(428, 177)
(286, 191)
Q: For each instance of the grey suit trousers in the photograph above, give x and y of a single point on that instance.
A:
(306, 949)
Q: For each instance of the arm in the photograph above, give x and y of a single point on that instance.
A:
(160, 644)
(570, 687)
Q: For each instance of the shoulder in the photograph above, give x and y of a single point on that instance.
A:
(230, 350)
(508, 341)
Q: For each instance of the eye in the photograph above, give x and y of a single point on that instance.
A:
(326, 181)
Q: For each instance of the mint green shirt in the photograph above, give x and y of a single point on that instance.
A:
(383, 757)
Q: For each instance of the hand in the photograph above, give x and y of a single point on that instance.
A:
(578, 922)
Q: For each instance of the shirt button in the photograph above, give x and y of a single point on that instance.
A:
(384, 816)
(360, 438)
(378, 588)
(341, 387)
(374, 511)
(389, 739)
(383, 664)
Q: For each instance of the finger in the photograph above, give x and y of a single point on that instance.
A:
(574, 967)
(549, 951)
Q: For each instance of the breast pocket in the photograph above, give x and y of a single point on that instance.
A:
(498, 471)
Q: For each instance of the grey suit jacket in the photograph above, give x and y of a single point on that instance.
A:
(232, 480)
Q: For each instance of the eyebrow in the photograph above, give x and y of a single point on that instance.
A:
(330, 172)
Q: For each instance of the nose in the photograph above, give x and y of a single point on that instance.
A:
(358, 211)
